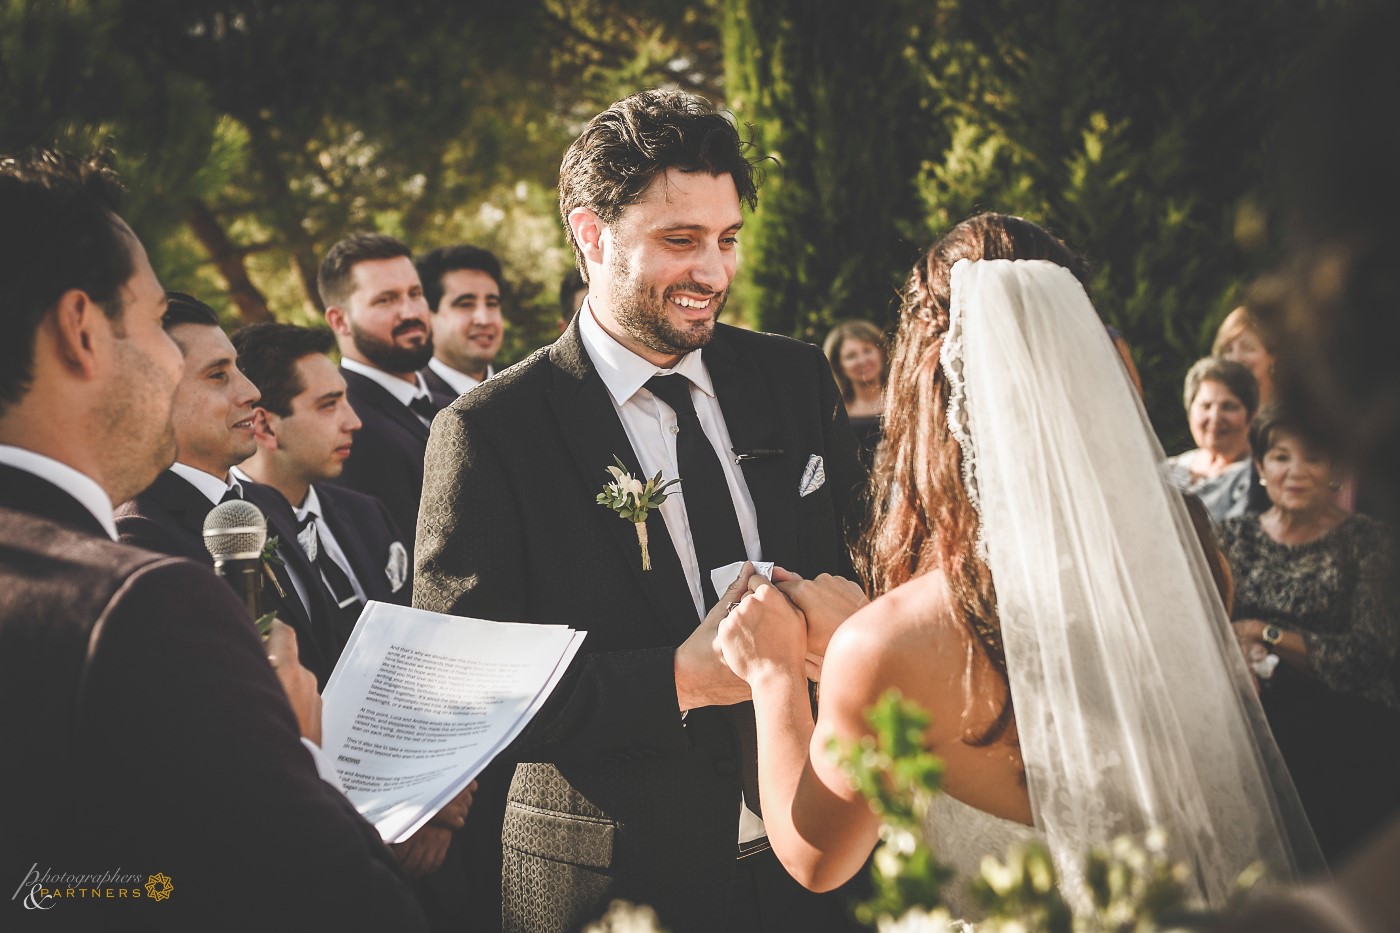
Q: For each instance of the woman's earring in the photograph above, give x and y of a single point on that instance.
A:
(1334, 485)
(1263, 481)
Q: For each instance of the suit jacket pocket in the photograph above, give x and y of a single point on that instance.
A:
(565, 837)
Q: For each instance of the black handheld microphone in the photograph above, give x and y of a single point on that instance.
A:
(235, 532)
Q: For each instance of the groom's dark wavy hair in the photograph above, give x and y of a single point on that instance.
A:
(626, 146)
(920, 516)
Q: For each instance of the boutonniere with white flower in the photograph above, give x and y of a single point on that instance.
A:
(632, 499)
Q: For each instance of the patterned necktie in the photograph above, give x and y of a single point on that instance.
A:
(714, 530)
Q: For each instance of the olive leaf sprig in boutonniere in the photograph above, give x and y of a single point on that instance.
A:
(632, 499)
(270, 558)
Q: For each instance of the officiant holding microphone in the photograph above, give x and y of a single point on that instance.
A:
(638, 779)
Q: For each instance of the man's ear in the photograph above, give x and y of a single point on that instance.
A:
(588, 231)
(338, 320)
(264, 429)
(81, 330)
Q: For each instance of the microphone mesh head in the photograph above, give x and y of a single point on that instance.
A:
(235, 530)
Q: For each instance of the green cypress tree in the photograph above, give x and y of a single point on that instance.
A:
(834, 95)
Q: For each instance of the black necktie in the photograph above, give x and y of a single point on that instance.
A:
(714, 530)
(423, 407)
(233, 492)
(714, 527)
(337, 581)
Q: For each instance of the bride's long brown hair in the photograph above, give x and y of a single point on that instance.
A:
(920, 518)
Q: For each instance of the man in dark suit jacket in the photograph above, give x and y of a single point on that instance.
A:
(213, 415)
(161, 757)
(305, 429)
(630, 779)
(374, 304)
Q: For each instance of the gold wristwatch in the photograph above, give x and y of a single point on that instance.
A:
(1272, 636)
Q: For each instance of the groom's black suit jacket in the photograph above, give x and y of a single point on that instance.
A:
(616, 796)
(168, 517)
(148, 733)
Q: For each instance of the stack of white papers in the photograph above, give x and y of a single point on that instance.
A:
(421, 702)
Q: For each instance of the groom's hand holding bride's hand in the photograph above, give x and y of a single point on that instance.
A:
(702, 677)
(765, 634)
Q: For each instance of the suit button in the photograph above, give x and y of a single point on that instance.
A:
(726, 766)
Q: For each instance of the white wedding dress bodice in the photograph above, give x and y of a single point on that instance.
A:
(961, 836)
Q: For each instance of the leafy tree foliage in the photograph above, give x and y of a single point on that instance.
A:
(834, 96)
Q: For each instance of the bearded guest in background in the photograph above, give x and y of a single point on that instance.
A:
(375, 305)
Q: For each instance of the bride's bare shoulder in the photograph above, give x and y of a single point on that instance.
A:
(907, 638)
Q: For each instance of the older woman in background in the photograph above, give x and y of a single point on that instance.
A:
(1241, 339)
(1311, 589)
(1221, 397)
(859, 359)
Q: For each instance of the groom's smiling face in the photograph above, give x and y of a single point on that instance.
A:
(667, 262)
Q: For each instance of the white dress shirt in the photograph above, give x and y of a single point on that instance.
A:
(459, 381)
(405, 392)
(651, 428)
(236, 475)
(77, 484)
(209, 485)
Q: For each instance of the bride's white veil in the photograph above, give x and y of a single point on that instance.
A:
(1133, 705)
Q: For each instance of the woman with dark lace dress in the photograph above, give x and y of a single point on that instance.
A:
(1311, 591)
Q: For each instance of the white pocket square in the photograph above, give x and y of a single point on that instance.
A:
(397, 568)
(813, 476)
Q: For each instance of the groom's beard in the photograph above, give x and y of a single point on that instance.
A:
(642, 312)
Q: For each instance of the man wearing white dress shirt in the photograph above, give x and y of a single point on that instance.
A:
(375, 306)
(463, 287)
(213, 418)
(638, 779)
(305, 429)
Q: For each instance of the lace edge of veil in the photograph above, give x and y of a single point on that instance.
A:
(950, 358)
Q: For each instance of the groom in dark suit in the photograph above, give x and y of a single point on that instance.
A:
(638, 780)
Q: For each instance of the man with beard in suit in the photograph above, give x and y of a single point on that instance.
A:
(375, 305)
(213, 432)
(156, 741)
(638, 779)
(462, 285)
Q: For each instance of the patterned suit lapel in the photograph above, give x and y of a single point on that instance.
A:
(594, 435)
(753, 424)
(374, 395)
